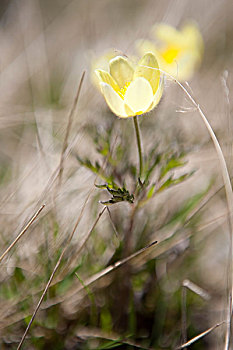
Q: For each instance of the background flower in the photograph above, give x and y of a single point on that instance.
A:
(178, 51)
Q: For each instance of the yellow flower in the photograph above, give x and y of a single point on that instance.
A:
(131, 91)
(101, 62)
(178, 51)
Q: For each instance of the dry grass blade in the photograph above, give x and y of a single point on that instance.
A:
(112, 223)
(193, 340)
(229, 196)
(114, 337)
(22, 232)
(196, 289)
(117, 264)
(57, 266)
(70, 120)
(89, 233)
(184, 315)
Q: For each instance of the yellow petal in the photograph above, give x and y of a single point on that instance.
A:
(144, 46)
(167, 34)
(192, 37)
(187, 64)
(139, 95)
(183, 68)
(121, 70)
(100, 62)
(151, 74)
(158, 95)
(129, 111)
(114, 101)
(105, 77)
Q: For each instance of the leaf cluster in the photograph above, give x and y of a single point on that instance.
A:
(117, 169)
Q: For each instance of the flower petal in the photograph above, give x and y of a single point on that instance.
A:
(144, 46)
(139, 95)
(158, 95)
(129, 111)
(192, 37)
(121, 70)
(114, 101)
(105, 77)
(143, 70)
(167, 34)
(100, 62)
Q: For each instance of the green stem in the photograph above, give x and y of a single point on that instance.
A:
(137, 132)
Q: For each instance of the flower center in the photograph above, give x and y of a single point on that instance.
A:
(123, 90)
(170, 54)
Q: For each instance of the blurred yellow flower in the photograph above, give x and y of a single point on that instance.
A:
(179, 52)
(129, 90)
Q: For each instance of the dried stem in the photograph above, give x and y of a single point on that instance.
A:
(56, 268)
(229, 196)
(22, 232)
(184, 314)
(70, 120)
(203, 334)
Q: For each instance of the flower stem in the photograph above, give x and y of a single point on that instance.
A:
(137, 132)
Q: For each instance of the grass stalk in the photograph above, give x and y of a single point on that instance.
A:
(229, 197)
(22, 232)
(69, 124)
(57, 266)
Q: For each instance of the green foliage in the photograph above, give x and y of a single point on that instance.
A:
(162, 169)
(159, 172)
(118, 195)
(106, 321)
(171, 163)
(174, 181)
(188, 206)
(110, 345)
(133, 301)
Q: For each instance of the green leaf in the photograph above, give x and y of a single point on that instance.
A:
(151, 191)
(171, 164)
(95, 168)
(150, 169)
(110, 345)
(172, 182)
(118, 195)
(106, 320)
(187, 207)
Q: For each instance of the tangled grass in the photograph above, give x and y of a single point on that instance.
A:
(91, 256)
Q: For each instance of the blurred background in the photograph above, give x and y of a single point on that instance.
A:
(45, 48)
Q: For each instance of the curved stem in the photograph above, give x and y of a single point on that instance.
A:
(229, 198)
(137, 132)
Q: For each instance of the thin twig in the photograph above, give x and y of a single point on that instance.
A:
(89, 233)
(69, 124)
(112, 223)
(56, 268)
(22, 232)
(114, 266)
(201, 335)
(117, 338)
(184, 314)
(196, 289)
